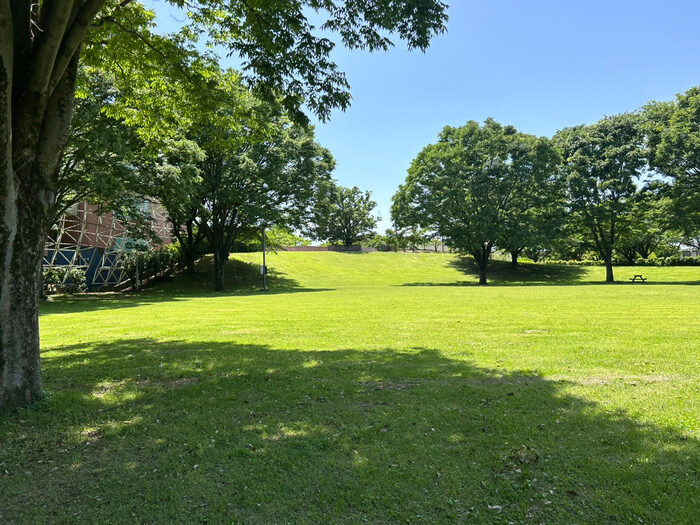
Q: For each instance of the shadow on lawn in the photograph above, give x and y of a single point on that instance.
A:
(241, 278)
(500, 273)
(167, 431)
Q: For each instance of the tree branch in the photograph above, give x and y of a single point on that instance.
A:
(74, 36)
(54, 18)
(56, 127)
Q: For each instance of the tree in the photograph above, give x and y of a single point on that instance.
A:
(258, 168)
(41, 44)
(601, 164)
(255, 181)
(673, 141)
(645, 230)
(537, 214)
(342, 214)
(101, 161)
(175, 183)
(474, 184)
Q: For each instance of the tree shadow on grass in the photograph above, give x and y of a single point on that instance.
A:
(145, 430)
(503, 273)
(241, 278)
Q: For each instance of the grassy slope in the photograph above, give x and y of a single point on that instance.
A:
(367, 386)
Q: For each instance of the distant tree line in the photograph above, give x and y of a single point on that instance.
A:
(622, 189)
(234, 164)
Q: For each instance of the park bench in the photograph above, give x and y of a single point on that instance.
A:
(638, 278)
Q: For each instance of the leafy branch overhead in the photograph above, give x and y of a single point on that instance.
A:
(286, 45)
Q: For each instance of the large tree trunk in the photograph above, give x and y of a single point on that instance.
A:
(27, 204)
(37, 87)
(482, 273)
(190, 262)
(482, 258)
(20, 381)
(22, 235)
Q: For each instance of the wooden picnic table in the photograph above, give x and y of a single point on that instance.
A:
(638, 277)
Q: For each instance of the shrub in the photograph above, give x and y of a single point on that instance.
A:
(149, 263)
(677, 260)
(653, 260)
(59, 279)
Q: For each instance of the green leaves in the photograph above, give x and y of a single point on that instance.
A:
(342, 214)
(477, 184)
(673, 138)
(284, 52)
(602, 163)
(102, 154)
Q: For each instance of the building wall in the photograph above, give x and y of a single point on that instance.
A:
(96, 243)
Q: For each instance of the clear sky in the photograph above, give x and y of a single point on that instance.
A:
(540, 65)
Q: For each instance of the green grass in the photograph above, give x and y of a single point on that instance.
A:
(378, 387)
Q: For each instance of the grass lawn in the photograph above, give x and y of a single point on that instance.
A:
(367, 387)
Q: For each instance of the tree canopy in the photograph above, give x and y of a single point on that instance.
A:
(475, 186)
(602, 162)
(673, 135)
(103, 156)
(342, 215)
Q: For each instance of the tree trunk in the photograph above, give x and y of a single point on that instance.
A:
(20, 378)
(26, 210)
(34, 124)
(609, 270)
(188, 245)
(190, 261)
(514, 257)
(219, 263)
(482, 273)
(189, 242)
(482, 259)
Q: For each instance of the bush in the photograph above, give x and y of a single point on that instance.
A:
(674, 260)
(58, 279)
(149, 263)
(677, 260)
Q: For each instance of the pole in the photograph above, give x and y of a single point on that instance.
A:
(138, 282)
(264, 263)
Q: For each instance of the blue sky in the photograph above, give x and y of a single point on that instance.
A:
(538, 65)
